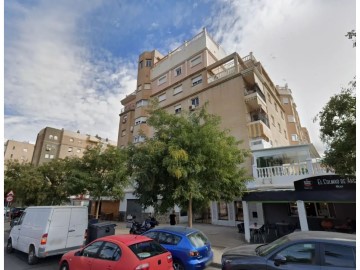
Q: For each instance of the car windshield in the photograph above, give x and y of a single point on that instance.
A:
(198, 239)
(266, 249)
(147, 249)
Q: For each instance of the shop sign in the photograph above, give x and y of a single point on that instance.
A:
(326, 182)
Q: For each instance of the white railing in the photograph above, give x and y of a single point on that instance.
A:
(221, 74)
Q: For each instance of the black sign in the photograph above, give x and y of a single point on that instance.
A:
(326, 182)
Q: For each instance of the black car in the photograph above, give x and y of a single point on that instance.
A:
(296, 251)
(16, 212)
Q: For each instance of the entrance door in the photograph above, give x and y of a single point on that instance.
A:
(134, 208)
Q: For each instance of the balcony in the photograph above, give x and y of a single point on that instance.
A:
(127, 108)
(222, 74)
(255, 99)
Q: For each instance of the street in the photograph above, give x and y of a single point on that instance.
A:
(18, 260)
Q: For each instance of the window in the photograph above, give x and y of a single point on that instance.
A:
(110, 252)
(162, 97)
(294, 137)
(11, 156)
(46, 155)
(148, 62)
(162, 80)
(71, 139)
(178, 89)
(25, 150)
(198, 239)
(195, 61)
(48, 147)
(223, 211)
(147, 249)
(51, 156)
(197, 80)
(123, 132)
(279, 127)
(140, 120)
(291, 119)
(276, 107)
(339, 256)
(78, 150)
(139, 87)
(51, 137)
(285, 100)
(92, 249)
(79, 142)
(285, 133)
(141, 64)
(138, 139)
(13, 147)
(142, 103)
(147, 86)
(273, 120)
(282, 114)
(303, 253)
(177, 71)
(177, 109)
(269, 98)
(195, 102)
(70, 149)
(55, 138)
(320, 209)
(168, 239)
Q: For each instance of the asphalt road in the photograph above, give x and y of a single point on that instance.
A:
(18, 260)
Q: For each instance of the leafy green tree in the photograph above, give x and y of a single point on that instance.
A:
(338, 130)
(102, 173)
(26, 182)
(188, 161)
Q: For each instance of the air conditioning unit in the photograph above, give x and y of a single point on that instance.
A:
(192, 107)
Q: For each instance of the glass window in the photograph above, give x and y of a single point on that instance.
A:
(195, 102)
(110, 252)
(92, 249)
(177, 109)
(51, 156)
(55, 138)
(147, 86)
(177, 89)
(152, 235)
(70, 149)
(223, 211)
(168, 239)
(141, 64)
(51, 137)
(197, 80)
(239, 214)
(162, 80)
(276, 107)
(294, 137)
(148, 63)
(162, 97)
(291, 119)
(198, 239)
(147, 249)
(285, 100)
(303, 253)
(339, 256)
(71, 139)
(46, 155)
(177, 71)
(196, 60)
(25, 150)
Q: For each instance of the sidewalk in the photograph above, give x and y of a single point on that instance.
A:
(221, 237)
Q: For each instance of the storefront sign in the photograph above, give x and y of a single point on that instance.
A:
(326, 182)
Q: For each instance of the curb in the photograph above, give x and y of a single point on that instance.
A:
(216, 265)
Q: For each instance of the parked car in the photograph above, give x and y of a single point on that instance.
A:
(16, 212)
(43, 231)
(297, 251)
(190, 248)
(119, 252)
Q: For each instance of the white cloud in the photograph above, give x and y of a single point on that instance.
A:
(51, 79)
(301, 43)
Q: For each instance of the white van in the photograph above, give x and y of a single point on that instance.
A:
(44, 231)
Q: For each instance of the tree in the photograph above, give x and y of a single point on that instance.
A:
(26, 182)
(102, 173)
(188, 160)
(338, 130)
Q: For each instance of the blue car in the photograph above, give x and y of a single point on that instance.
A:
(189, 247)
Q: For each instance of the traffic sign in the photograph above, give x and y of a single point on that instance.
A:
(9, 198)
(11, 193)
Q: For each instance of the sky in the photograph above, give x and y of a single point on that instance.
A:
(68, 64)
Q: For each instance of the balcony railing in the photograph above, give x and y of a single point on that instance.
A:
(253, 90)
(221, 74)
(260, 117)
(128, 108)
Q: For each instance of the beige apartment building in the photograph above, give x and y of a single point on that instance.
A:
(20, 151)
(238, 89)
(52, 143)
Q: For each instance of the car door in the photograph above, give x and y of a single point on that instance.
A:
(16, 232)
(336, 257)
(77, 227)
(87, 256)
(108, 258)
(297, 256)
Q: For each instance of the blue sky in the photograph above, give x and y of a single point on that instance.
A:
(67, 64)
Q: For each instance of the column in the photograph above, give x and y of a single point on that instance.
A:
(302, 215)
(246, 220)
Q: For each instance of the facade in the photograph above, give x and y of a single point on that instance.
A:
(52, 143)
(21, 151)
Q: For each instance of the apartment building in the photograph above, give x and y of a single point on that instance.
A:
(238, 89)
(52, 143)
(20, 151)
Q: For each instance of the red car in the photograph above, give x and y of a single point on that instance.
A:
(119, 252)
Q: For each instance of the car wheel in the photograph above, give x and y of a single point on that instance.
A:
(178, 265)
(9, 247)
(32, 259)
(64, 266)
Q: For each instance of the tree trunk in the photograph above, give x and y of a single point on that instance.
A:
(190, 212)
(98, 208)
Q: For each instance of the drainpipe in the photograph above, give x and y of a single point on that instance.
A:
(246, 221)
(302, 215)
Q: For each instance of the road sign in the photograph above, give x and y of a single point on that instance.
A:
(9, 198)
(11, 193)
